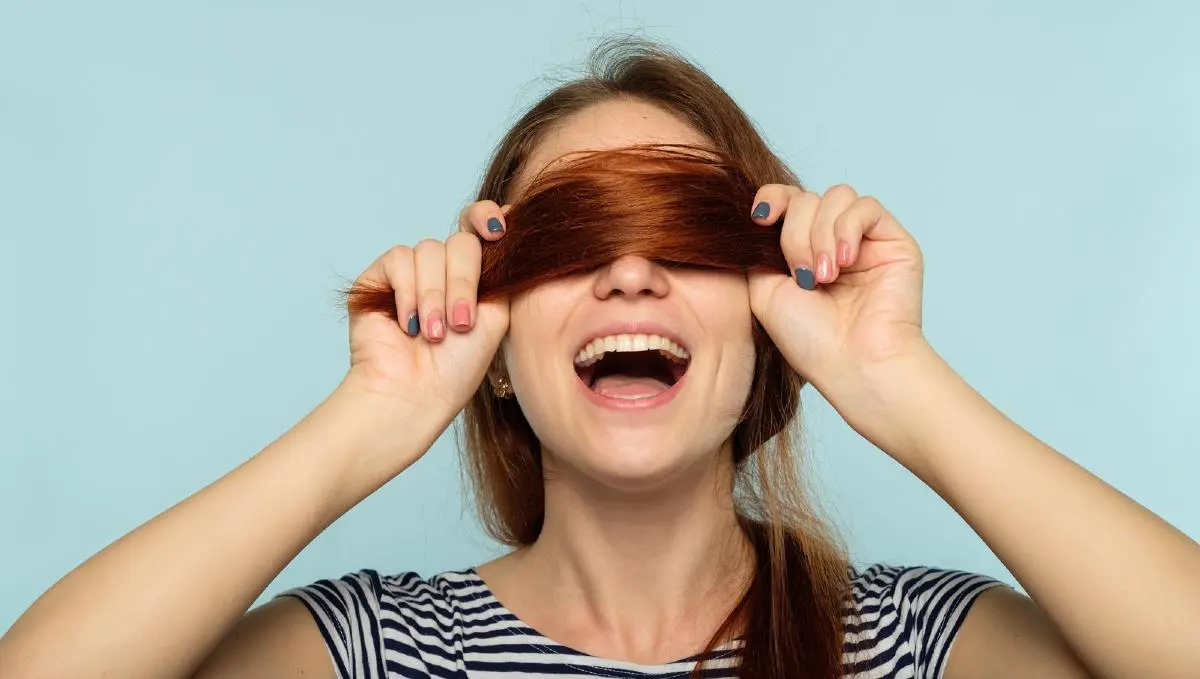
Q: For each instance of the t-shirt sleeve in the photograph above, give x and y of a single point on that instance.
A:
(922, 609)
(347, 611)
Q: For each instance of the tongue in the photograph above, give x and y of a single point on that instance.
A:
(625, 386)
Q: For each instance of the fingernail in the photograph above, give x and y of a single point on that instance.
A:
(494, 225)
(843, 253)
(414, 324)
(804, 278)
(461, 315)
(762, 210)
(824, 267)
(436, 327)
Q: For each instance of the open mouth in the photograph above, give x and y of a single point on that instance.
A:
(631, 366)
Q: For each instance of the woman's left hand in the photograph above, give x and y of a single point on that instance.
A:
(854, 300)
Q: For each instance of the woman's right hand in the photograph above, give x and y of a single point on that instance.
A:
(160, 579)
(437, 351)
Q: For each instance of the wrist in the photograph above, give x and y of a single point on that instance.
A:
(367, 437)
(891, 402)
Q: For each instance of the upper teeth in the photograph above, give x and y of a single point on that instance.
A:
(594, 351)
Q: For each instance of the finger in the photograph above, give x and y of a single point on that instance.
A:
(483, 217)
(824, 242)
(430, 259)
(849, 227)
(869, 220)
(394, 269)
(796, 238)
(770, 201)
(464, 254)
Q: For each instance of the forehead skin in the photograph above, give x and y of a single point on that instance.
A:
(607, 125)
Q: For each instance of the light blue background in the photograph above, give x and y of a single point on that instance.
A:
(184, 186)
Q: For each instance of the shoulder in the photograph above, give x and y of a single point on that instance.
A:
(908, 616)
(450, 593)
(886, 585)
(406, 591)
(392, 623)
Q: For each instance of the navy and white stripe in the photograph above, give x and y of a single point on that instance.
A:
(900, 624)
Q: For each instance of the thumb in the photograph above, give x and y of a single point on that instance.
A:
(764, 290)
(797, 320)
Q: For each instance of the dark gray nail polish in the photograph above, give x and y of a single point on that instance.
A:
(762, 210)
(414, 324)
(805, 278)
(494, 225)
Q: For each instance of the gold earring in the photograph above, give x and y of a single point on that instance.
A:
(502, 388)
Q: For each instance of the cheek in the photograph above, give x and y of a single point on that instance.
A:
(539, 372)
(735, 376)
(723, 308)
(532, 349)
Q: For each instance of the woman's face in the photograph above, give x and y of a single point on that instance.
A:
(634, 374)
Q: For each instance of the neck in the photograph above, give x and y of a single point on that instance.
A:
(646, 575)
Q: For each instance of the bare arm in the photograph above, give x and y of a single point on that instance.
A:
(1121, 585)
(157, 602)
(1006, 635)
(278, 640)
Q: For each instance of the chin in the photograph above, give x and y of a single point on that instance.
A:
(635, 462)
(628, 409)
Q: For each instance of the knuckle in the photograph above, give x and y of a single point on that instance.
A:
(427, 246)
(870, 205)
(397, 252)
(807, 200)
(791, 194)
(462, 239)
(391, 265)
(840, 191)
(462, 284)
(432, 297)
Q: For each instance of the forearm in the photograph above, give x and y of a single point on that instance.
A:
(155, 602)
(1121, 584)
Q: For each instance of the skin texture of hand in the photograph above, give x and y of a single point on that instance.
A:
(444, 340)
(854, 297)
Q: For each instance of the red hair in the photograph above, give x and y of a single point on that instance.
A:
(679, 206)
(673, 204)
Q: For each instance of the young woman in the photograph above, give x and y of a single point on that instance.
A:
(627, 425)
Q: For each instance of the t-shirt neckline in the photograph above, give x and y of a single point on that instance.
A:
(555, 647)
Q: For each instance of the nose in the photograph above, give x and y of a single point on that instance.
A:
(631, 277)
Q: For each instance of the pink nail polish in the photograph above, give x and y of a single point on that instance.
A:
(461, 316)
(824, 269)
(843, 253)
(437, 328)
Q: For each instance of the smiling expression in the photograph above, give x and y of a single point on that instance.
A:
(634, 374)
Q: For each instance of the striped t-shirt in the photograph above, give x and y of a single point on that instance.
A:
(451, 625)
